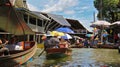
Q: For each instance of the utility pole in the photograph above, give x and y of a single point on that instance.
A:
(94, 16)
(101, 9)
(101, 18)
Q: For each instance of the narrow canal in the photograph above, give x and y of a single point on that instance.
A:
(81, 57)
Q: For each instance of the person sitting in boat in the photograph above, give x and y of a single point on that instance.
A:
(86, 43)
(3, 49)
(54, 41)
(46, 40)
(13, 40)
(63, 43)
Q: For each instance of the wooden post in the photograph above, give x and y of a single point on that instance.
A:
(28, 21)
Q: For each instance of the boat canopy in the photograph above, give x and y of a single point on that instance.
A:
(12, 22)
(60, 19)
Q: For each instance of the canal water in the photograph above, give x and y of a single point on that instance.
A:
(81, 57)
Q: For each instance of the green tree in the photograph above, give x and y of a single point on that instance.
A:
(108, 9)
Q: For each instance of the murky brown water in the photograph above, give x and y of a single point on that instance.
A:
(82, 57)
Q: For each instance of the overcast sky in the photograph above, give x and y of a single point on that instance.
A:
(81, 10)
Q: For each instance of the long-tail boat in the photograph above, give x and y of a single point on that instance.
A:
(66, 51)
(58, 52)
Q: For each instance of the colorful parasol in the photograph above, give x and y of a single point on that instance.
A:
(56, 33)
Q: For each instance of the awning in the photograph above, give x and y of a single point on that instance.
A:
(60, 19)
(12, 22)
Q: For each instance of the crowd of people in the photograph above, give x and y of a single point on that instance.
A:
(97, 43)
(55, 42)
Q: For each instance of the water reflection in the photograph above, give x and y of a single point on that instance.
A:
(57, 62)
(83, 57)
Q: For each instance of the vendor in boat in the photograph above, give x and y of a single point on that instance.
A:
(64, 43)
(54, 41)
(3, 49)
(46, 40)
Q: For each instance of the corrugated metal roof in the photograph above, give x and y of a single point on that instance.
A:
(60, 19)
(40, 15)
(33, 13)
(75, 24)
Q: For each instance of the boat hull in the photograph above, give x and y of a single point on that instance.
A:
(19, 57)
(58, 52)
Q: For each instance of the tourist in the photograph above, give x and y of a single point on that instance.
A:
(13, 40)
(0, 43)
(3, 49)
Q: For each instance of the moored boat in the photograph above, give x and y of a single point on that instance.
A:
(12, 23)
(18, 57)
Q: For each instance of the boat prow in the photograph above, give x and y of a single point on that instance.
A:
(58, 52)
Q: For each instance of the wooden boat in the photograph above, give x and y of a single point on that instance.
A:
(13, 23)
(18, 57)
(58, 52)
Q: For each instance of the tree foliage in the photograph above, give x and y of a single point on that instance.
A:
(108, 9)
